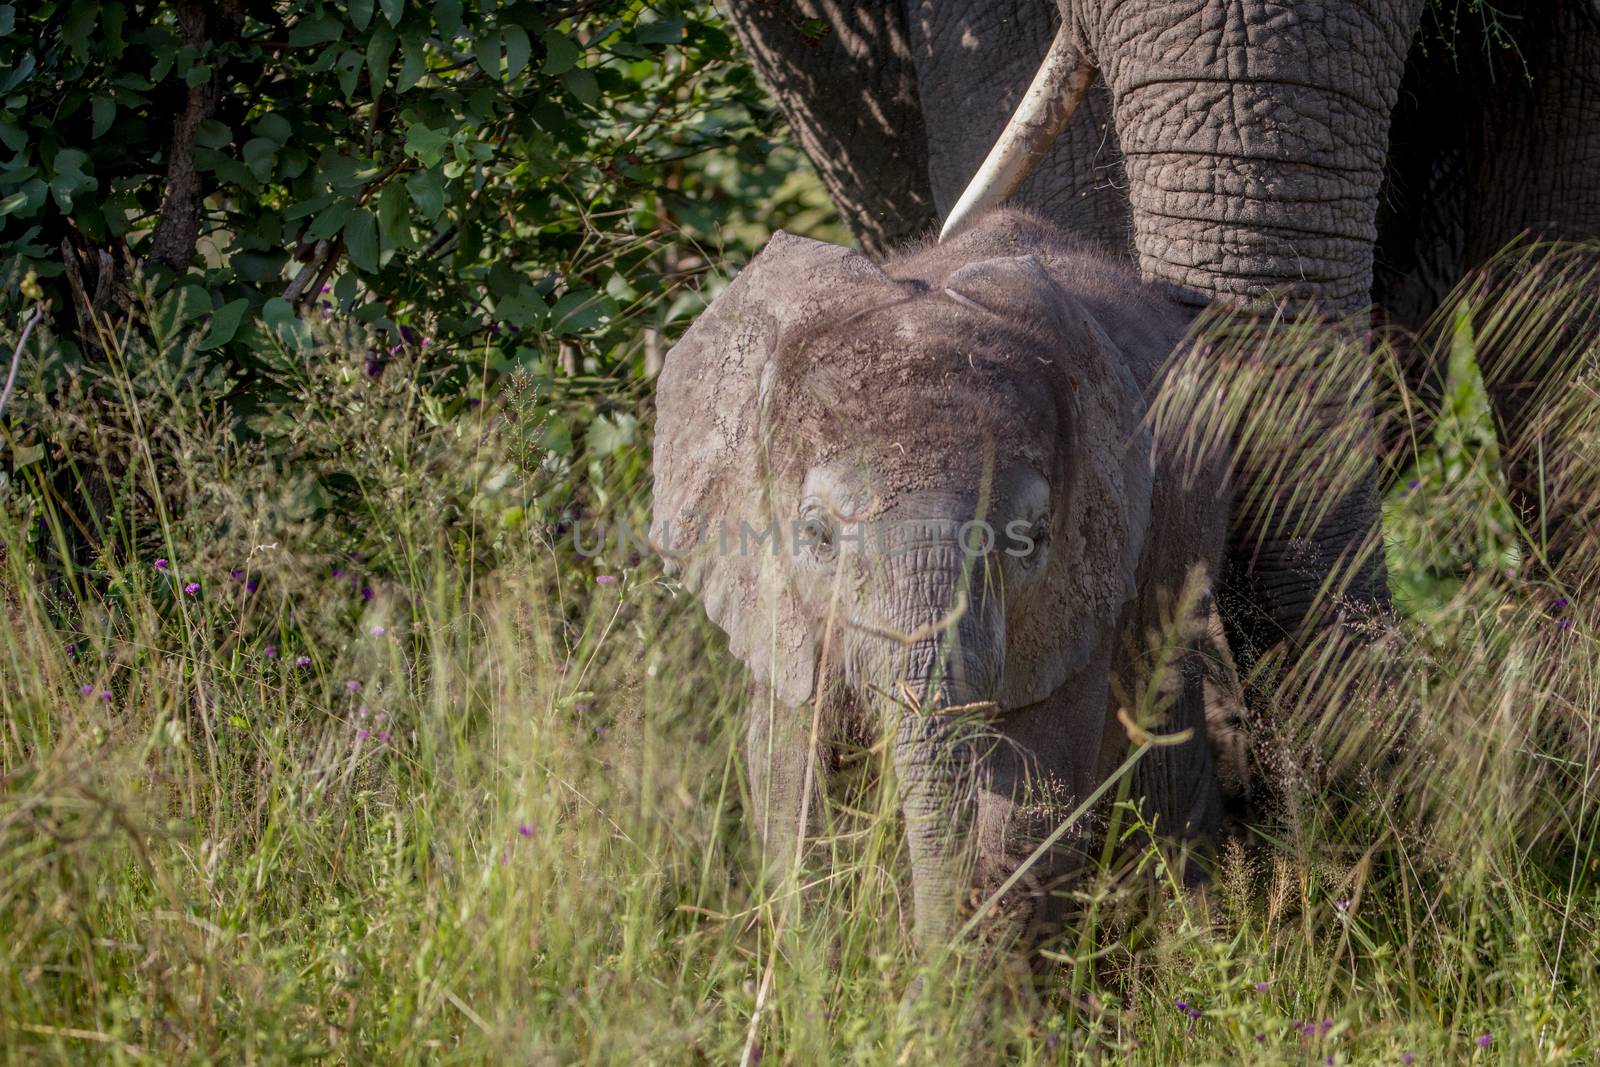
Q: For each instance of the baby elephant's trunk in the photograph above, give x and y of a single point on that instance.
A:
(949, 675)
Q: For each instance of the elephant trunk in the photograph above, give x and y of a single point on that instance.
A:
(946, 671)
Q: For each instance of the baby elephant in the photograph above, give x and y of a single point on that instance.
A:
(924, 494)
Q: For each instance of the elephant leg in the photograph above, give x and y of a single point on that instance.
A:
(777, 746)
(1494, 143)
(1540, 178)
(1254, 137)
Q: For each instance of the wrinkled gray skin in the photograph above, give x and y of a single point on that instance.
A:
(1240, 151)
(1001, 376)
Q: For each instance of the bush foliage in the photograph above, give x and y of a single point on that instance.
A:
(470, 189)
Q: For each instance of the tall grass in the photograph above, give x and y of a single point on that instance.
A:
(460, 799)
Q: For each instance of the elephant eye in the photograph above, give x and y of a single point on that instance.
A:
(816, 533)
(1026, 541)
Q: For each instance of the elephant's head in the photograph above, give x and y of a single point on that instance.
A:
(939, 478)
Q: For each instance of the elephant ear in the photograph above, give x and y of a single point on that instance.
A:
(1101, 487)
(708, 469)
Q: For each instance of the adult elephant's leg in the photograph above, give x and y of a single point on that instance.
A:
(1539, 180)
(973, 62)
(1254, 136)
(842, 74)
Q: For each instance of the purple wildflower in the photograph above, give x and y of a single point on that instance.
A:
(1413, 484)
(1485, 1040)
(1261, 1038)
(86, 690)
(1563, 624)
(338, 572)
(1261, 987)
(192, 588)
(408, 335)
(1308, 1029)
(161, 564)
(1327, 1024)
(236, 575)
(525, 830)
(362, 735)
(1329, 1060)
(1407, 1059)
(1560, 604)
(105, 694)
(271, 651)
(375, 365)
(605, 579)
(1181, 1005)
(383, 735)
(377, 631)
(366, 592)
(380, 717)
(353, 685)
(1194, 1013)
(302, 661)
(251, 586)
(72, 649)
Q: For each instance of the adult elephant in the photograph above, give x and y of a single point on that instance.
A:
(1239, 151)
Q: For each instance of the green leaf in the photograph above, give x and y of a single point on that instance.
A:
(360, 13)
(274, 126)
(212, 134)
(315, 30)
(79, 24)
(581, 309)
(660, 31)
(487, 52)
(393, 10)
(11, 203)
(69, 179)
(394, 214)
(427, 190)
(581, 84)
(380, 51)
(104, 110)
(447, 16)
(308, 207)
(425, 144)
(609, 434)
(278, 313)
(12, 137)
(361, 240)
(331, 221)
(560, 53)
(349, 68)
(259, 154)
(19, 74)
(518, 50)
(522, 308)
(8, 19)
(224, 324)
(413, 64)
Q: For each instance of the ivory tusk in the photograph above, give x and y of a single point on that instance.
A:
(1057, 89)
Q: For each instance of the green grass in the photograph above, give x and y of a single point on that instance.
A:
(537, 853)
